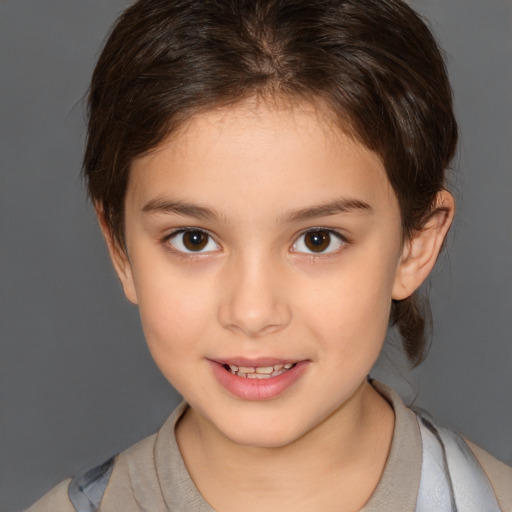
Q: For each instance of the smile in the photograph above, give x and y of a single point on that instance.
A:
(263, 379)
(258, 372)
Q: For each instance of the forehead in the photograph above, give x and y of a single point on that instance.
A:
(258, 155)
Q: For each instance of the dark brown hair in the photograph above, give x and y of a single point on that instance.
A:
(373, 63)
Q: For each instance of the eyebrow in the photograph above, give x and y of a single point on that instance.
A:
(343, 205)
(180, 208)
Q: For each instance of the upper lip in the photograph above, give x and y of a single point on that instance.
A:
(258, 362)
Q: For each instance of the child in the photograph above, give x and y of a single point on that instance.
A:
(269, 177)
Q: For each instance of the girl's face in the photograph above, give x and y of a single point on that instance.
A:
(260, 238)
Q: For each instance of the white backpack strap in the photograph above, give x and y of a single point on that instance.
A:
(452, 479)
(86, 491)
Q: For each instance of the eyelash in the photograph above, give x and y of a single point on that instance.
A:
(184, 253)
(331, 233)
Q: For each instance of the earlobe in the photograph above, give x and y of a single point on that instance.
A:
(421, 250)
(119, 258)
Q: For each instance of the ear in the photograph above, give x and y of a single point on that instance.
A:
(119, 258)
(420, 252)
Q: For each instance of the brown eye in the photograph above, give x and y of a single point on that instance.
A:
(317, 241)
(193, 240)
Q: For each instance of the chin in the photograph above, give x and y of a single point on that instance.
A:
(267, 439)
(273, 433)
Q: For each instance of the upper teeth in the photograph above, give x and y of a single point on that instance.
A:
(259, 372)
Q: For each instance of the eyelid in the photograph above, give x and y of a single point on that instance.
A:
(333, 232)
(187, 253)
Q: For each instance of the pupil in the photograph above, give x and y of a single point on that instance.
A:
(318, 241)
(194, 240)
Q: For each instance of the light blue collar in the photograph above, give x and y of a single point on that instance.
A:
(452, 479)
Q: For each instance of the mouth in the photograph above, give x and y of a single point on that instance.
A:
(261, 379)
(258, 372)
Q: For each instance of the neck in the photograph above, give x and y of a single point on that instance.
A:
(344, 455)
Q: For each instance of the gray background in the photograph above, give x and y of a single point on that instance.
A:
(76, 381)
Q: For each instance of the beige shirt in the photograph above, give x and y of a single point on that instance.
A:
(151, 476)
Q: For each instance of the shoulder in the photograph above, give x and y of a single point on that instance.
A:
(408, 455)
(139, 456)
(132, 478)
(56, 499)
(117, 486)
(499, 474)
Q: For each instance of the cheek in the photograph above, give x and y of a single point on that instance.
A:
(175, 312)
(351, 306)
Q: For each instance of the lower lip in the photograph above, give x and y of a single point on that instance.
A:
(257, 389)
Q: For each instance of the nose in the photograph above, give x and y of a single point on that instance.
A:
(253, 299)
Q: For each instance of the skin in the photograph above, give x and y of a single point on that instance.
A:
(256, 290)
